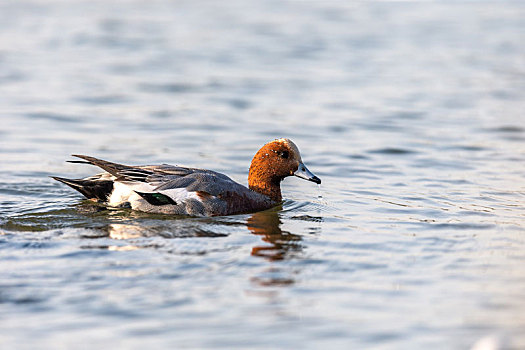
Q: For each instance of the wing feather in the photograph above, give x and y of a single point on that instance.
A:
(166, 177)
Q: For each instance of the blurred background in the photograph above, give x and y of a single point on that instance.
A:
(412, 114)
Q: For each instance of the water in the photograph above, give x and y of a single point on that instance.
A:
(410, 113)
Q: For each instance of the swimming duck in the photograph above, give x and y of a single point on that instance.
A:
(170, 189)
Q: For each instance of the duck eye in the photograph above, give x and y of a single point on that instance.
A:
(284, 154)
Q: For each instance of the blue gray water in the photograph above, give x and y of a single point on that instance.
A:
(411, 113)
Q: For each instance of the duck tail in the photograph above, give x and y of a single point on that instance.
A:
(91, 189)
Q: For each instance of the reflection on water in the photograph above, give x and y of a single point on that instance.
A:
(281, 244)
(278, 245)
(124, 231)
(275, 244)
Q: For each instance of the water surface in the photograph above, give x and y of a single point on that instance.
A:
(410, 113)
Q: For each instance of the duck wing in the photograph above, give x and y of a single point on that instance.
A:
(163, 176)
(121, 172)
(179, 190)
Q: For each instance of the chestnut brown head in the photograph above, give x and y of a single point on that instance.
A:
(275, 161)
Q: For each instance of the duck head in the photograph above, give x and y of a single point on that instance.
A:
(272, 163)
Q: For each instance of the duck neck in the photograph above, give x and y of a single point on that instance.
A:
(259, 181)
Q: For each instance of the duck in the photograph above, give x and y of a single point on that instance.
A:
(179, 190)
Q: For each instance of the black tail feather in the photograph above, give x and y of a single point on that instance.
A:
(91, 189)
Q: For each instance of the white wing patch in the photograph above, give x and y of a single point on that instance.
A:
(125, 192)
(180, 195)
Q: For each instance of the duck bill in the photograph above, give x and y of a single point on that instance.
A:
(303, 172)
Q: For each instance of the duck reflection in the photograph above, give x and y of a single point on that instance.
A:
(282, 244)
(276, 244)
(123, 231)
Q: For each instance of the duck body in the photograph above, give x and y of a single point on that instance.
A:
(178, 190)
